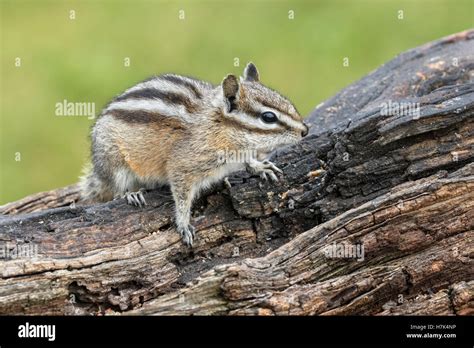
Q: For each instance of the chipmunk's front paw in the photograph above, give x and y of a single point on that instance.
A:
(135, 198)
(264, 168)
(187, 233)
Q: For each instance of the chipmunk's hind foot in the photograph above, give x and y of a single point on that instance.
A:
(136, 198)
(187, 233)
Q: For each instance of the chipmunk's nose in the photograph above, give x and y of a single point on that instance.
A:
(305, 132)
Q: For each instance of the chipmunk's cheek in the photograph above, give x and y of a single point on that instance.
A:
(296, 136)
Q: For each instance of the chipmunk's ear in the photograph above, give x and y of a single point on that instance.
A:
(251, 73)
(230, 87)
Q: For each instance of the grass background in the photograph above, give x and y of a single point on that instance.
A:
(82, 60)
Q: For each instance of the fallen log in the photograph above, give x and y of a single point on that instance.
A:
(388, 169)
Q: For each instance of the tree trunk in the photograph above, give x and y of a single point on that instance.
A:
(387, 171)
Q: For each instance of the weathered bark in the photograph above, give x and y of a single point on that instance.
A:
(458, 299)
(400, 185)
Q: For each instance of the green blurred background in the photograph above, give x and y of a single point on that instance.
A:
(82, 60)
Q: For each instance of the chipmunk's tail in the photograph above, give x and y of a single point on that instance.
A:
(93, 189)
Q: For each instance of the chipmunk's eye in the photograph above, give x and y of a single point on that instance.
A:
(268, 117)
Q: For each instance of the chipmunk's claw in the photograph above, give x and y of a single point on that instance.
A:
(270, 173)
(188, 234)
(270, 165)
(265, 169)
(136, 198)
(227, 183)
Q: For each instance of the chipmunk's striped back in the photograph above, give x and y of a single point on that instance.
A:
(166, 96)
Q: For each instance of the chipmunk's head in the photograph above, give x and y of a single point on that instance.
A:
(264, 118)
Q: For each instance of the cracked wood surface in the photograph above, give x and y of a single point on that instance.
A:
(413, 241)
(400, 185)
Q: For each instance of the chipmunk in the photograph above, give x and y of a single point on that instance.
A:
(173, 129)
